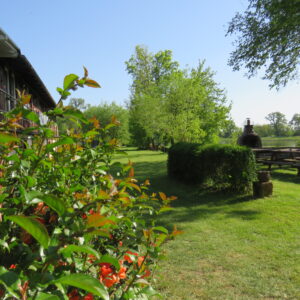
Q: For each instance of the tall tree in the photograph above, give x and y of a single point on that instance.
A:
(229, 129)
(196, 107)
(295, 123)
(104, 112)
(78, 103)
(149, 74)
(147, 69)
(170, 104)
(264, 130)
(269, 37)
(278, 122)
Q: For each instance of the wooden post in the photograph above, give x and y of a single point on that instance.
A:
(263, 187)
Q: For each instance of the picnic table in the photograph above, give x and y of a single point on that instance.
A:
(280, 156)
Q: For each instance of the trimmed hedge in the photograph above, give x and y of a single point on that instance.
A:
(219, 166)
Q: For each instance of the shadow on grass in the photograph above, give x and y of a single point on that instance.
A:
(287, 176)
(188, 195)
(192, 203)
(243, 214)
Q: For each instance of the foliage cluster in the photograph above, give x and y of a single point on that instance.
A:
(102, 113)
(72, 224)
(219, 166)
(230, 130)
(268, 38)
(169, 104)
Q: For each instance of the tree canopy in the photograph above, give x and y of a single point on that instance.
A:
(295, 123)
(279, 123)
(172, 104)
(269, 38)
(104, 113)
(78, 103)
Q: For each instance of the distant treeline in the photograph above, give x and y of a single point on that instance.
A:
(277, 126)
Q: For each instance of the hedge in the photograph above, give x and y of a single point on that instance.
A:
(220, 166)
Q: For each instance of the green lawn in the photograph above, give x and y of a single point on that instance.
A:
(233, 247)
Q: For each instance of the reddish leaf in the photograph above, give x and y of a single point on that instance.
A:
(114, 120)
(25, 99)
(97, 220)
(163, 196)
(92, 83)
(131, 172)
(95, 122)
(176, 232)
(103, 195)
(113, 142)
(86, 73)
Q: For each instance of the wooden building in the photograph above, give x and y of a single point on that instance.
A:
(16, 72)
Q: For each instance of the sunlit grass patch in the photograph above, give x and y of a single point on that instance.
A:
(233, 247)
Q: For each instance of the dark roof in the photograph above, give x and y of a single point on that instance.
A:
(12, 54)
(22, 65)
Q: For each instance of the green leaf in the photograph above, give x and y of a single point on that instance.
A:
(31, 115)
(75, 248)
(69, 81)
(5, 138)
(160, 239)
(29, 130)
(55, 203)
(91, 133)
(65, 94)
(85, 282)
(13, 157)
(161, 229)
(56, 111)
(75, 113)
(165, 208)
(4, 245)
(33, 227)
(30, 195)
(150, 292)
(99, 232)
(10, 280)
(31, 181)
(62, 141)
(60, 90)
(81, 82)
(109, 126)
(52, 201)
(110, 259)
(44, 296)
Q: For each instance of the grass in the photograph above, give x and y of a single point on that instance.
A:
(233, 247)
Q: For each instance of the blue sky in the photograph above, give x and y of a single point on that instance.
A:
(59, 37)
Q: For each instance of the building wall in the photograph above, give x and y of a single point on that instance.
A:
(10, 81)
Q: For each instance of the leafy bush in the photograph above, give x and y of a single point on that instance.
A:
(221, 166)
(68, 228)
